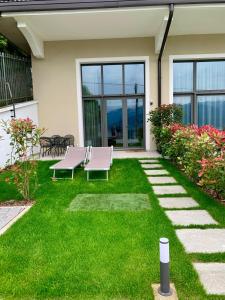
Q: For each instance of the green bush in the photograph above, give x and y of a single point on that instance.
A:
(163, 116)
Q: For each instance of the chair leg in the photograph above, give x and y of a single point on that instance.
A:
(87, 175)
(54, 174)
(107, 175)
(72, 173)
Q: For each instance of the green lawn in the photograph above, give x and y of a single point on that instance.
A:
(55, 253)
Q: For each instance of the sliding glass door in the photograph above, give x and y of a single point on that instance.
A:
(114, 119)
(135, 123)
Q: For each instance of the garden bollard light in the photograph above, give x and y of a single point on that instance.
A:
(164, 288)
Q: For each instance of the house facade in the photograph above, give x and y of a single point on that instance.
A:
(99, 67)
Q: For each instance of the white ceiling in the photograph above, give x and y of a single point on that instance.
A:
(77, 25)
(38, 27)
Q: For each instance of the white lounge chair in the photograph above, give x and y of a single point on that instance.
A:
(74, 157)
(100, 159)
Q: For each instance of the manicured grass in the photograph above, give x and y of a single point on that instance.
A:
(53, 253)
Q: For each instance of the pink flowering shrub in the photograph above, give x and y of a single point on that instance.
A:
(24, 136)
(212, 174)
(199, 152)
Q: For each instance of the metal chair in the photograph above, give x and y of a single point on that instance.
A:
(45, 146)
(70, 139)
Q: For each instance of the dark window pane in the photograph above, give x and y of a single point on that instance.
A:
(92, 122)
(134, 78)
(112, 78)
(135, 113)
(115, 123)
(211, 75)
(211, 111)
(185, 102)
(91, 80)
(183, 77)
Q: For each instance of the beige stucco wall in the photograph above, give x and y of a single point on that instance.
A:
(54, 77)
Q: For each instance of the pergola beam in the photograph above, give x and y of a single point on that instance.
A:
(35, 42)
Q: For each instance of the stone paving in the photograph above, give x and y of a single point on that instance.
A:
(190, 217)
(178, 202)
(161, 180)
(168, 189)
(156, 172)
(202, 240)
(9, 214)
(151, 166)
(211, 275)
(148, 161)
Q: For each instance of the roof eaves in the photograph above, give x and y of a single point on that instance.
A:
(48, 5)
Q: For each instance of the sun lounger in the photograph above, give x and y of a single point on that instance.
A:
(74, 157)
(100, 159)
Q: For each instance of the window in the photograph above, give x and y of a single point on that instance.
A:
(199, 87)
(113, 104)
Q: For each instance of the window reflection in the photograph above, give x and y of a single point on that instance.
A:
(183, 77)
(112, 78)
(211, 110)
(185, 102)
(91, 80)
(134, 78)
(211, 75)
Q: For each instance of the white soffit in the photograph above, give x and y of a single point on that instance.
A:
(198, 19)
(94, 24)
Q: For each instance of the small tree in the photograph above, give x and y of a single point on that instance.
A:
(163, 116)
(3, 42)
(24, 136)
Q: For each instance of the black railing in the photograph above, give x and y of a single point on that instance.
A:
(15, 79)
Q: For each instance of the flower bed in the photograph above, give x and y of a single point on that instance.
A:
(199, 152)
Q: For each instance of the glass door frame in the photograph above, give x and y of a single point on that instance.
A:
(123, 97)
(125, 122)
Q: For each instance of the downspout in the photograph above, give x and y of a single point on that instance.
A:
(171, 10)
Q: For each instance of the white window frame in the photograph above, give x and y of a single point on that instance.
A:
(80, 61)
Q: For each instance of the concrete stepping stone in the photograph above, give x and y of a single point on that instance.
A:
(151, 166)
(168, 189)
(212, 277)
(161, 179)
(156, 172)
(178, 202)
(202, 240)
(190, 217)
(148, 161)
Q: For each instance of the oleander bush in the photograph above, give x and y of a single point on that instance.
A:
(199, 152)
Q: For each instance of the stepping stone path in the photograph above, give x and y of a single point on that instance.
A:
(178, 202)
(161, 180)
(211, 275)
(151, 166)
(202, 240)
(168, 189)
(148, 161)
(156, 172)
(190, 217)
